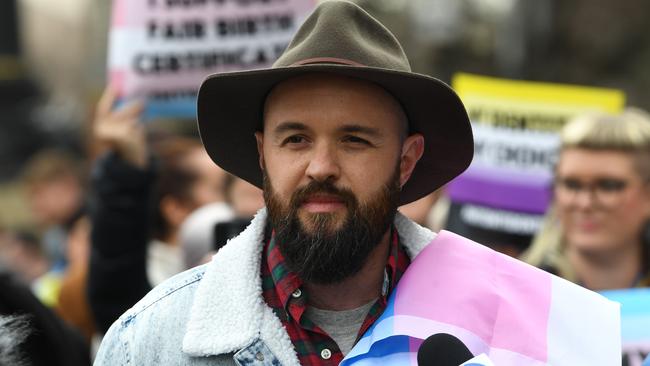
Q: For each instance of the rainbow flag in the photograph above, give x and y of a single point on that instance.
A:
(508, 310)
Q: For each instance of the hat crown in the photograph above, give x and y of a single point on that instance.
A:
(342, 32)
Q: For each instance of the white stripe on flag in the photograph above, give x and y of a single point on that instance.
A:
(589, 320)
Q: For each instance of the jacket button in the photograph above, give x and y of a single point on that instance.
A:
(326, 354)
(259, 356)
(296, 294)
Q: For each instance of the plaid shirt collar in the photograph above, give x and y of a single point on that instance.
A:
(281, 291)
(287, 283)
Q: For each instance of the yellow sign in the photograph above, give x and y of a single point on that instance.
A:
(530, 105)
(516, 123)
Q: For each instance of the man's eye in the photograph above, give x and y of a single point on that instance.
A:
(356, 140)
(295, 139)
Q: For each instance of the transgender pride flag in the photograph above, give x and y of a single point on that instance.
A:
(635, 324)
(512, 312)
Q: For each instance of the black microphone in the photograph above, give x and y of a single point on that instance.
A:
(442, 349)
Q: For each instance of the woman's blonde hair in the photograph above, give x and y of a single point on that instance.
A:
(628, 131)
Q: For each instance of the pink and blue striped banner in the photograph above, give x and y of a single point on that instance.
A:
(513, 313)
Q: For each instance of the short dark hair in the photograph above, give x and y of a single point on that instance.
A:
(174, 178)
(14, 330)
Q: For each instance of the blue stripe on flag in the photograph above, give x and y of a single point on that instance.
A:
(635, 313)
(383, 352)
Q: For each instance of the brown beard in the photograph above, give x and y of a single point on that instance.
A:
(321, 253)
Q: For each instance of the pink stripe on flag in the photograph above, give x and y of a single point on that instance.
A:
(503, 301)
(120, 13)
(422, 328)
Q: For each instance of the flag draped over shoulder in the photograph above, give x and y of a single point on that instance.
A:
(514, 313)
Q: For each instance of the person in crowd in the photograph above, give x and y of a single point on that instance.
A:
(244, 198)
(209, 227)
(336, 146)
(183, 183)
(13, 332)
(72, 305)
(21, 253)
(32, 333)
(197, 233)
(54, 183)
(141, 194)
(597, 233)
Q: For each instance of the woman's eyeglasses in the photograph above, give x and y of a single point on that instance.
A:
(605, 191)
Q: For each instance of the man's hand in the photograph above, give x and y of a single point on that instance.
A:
(120, 130)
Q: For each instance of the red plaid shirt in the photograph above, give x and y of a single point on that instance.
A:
(281, 290)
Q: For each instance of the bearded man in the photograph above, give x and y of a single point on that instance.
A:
(338, 133)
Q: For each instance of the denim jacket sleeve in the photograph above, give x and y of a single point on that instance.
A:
(151, 332)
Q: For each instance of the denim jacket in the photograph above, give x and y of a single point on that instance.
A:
(215, 314)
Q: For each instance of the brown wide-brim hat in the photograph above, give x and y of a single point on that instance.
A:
(338, 38)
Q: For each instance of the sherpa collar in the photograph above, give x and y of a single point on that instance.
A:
(229, 312)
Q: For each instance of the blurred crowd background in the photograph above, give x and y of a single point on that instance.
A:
(53, 59)
(75, 175)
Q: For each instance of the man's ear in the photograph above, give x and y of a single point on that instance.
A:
(259, 137)
(412, 150)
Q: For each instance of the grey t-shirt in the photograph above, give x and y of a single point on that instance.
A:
(342, 326)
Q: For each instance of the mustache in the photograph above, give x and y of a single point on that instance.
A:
(301, 195)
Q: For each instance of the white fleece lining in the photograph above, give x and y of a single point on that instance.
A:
(229, 312)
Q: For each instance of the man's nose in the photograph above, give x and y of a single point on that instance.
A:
(323, 164)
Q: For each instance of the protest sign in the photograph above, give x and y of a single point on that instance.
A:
(161, 50)
(502, 197)
(635, 323)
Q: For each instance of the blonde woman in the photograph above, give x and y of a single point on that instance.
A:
(597, 232)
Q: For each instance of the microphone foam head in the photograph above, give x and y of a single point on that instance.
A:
(442, 349)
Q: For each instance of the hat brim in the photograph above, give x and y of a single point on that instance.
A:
(230, 111)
